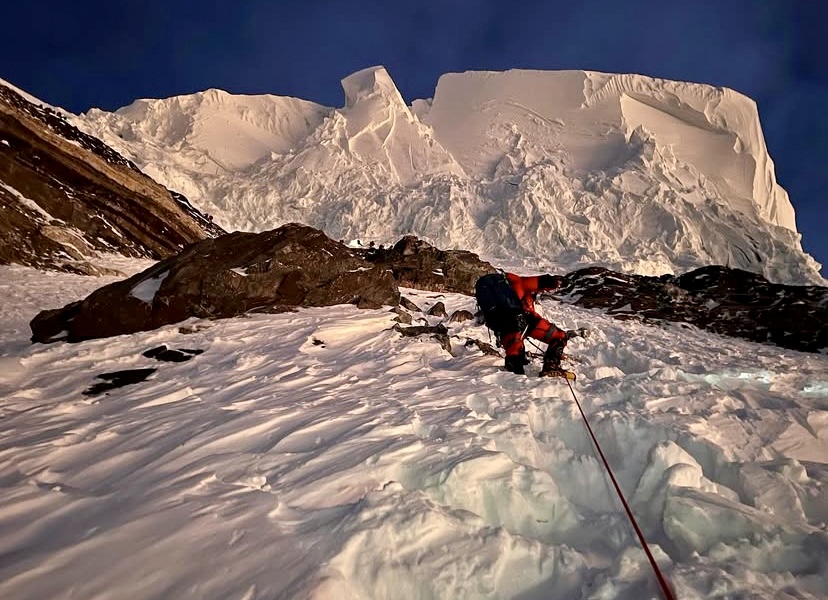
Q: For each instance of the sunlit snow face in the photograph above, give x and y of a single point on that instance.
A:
(324, 429)
(533, 169)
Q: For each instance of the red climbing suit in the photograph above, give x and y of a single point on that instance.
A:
(527, 289)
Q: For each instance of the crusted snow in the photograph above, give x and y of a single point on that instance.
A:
(318, 454)
(549, 169)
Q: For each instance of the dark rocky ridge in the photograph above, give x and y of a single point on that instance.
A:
(417, 264)
(273, 271)
(65, 195)
(726, 301)
(297, 265)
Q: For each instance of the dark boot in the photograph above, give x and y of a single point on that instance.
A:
(552, 357)
(551, 368)
(516, 362)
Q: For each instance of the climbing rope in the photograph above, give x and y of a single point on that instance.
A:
(662, 580)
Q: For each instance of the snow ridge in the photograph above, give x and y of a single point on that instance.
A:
(557, 170)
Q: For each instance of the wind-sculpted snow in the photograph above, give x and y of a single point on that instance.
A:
(382, 130)
(319, 454)
(558, 169)
(483, 118)
(228, 132)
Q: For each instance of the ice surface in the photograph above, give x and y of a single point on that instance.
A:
(482, 117)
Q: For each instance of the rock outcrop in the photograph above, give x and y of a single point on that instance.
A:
(726, 301)
(65, 196)
(273, 271)
(417, 264)
(299, 266)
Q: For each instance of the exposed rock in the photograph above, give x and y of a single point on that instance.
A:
(438, 310)
(485, 348)
(416, 330)
(273, 271)
(169, 355)
(419, 265)
(438, 332)
(297, 266)
(52, 324)
(459, 316)
(445, 342)
(65, 196)
(402, 316)
(70, 239)
(406, 303)
(118, 379)
(726, 301)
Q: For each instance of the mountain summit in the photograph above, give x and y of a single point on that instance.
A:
(550, 169)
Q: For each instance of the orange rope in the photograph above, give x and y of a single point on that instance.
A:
(662, 580)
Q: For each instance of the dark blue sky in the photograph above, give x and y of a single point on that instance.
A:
(83, 53)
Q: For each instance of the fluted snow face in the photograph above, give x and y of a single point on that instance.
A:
(533, 169)
(382, 130)
(586, 118)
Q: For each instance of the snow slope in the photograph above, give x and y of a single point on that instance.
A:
(534, 168)
(318, 454)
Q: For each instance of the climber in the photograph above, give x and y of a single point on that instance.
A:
(507, 302)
